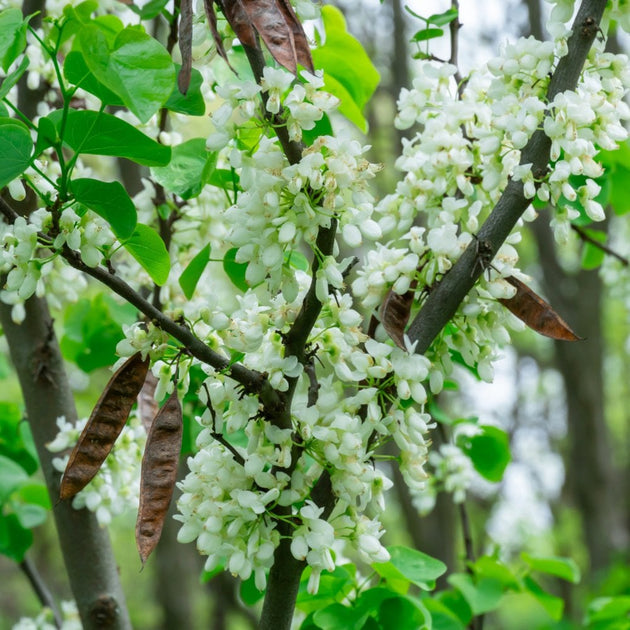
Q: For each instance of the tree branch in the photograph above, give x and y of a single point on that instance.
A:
(253, 381)
(445, 298)
(41, 590)
(595, 243)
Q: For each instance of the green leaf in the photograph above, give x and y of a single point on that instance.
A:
(98, 133)
(76, 71)
(15, 149)
(602, 612)
(16, 442)
(564, 568)
(46, 135)
(333, 588)
(189, 170)
(338, 617)
(403, 614)
(146, 246)
(15, 540)
(137, 68)
(296, 259)
(489, 451)
(12, 476)
(30, 515)
(92, 329)
(442, 19)
(427, 33)
(442, 617)
(11, 79)
(482, 596)
(34, 493)
(343, 59)
(592, 256)
(12, 36)
(74, 19)
(488, 567)
(249, 593)
(619, 198)
(191, 103)
(419, 568)
(235, 271)
(110, 201)
(322, 127)
(552, 604)
(190, 276)
(150, 10)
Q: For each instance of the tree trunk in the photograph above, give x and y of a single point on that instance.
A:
(85, 546)
(591, 479)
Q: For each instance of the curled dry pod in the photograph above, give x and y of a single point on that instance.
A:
(530, 308)
(104, 425)
(159, 473)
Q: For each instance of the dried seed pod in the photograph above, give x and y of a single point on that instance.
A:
(529, 307)
(104, 425)
(147, 405)
(159, 473)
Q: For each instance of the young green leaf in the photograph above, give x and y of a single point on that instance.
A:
(146, 246)
(110, 201)
(11, 79)
(191, 103)
(482, 596)
(190, 276)
(417, 567)
(189, 170)
(235, 271)
(489, 451)
(12, 36)
(442, 19)
(15, 149)
(551, 603)
(564, 568)
(77, 72)
(150, 10)
(97, 133)
(343, 58)
(15, 540)
(137, 68)
(427, 33)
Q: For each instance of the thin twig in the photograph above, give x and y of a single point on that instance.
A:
(589, 239)
(41, 590)
(454, 27)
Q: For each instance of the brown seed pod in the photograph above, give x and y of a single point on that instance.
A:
(104, 425)
(159, 473)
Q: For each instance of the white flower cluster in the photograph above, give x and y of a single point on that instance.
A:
(45, 620)
(115, 489)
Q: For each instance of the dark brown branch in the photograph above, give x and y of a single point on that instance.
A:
(41, 590)
(595, 243)
(445, 298)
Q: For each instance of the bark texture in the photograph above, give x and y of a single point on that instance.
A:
(85, 546)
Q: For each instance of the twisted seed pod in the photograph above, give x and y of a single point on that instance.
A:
(159, 473)
(104, 425)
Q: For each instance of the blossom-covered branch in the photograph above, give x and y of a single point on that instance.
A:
(445, 298)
